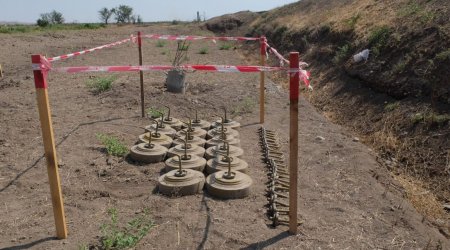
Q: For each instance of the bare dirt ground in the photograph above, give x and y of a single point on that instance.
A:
(346, 199)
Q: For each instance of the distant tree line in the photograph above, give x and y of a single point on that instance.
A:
(122, 14)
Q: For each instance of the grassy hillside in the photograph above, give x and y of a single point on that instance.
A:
(398, 101)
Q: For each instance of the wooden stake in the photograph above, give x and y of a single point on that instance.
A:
(40, 80)
(261, 80)
(1, 71)
(141, 75)
(293, 141)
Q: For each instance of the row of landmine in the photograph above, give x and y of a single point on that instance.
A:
(191, 149)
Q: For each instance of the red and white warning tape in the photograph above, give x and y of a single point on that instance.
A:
(216, 68)
(57, 58)
(304, 75)
(193, 38)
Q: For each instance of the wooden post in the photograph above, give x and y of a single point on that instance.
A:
(141, 75)
(293, 141)
(40, 81)
(1, 71)
(261, 79)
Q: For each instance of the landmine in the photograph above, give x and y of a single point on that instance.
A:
(148, 152)
(197, 123)
(157, 138)
(181, 181)
(228, 123)
(228, 184)
(214, 151)
(189, 161)
(218, 131)
(223, 138)
(193, 131)
(221, 163)
(186, 148)
(162, 128)
(190, 139)
(171, 121)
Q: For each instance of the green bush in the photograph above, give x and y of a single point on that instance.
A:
(378, 39)
(225, 46)
(391, 106)
(160, 43)
(341, 54)
(125, 237)
(101, 84)
(203, 51)
(113, 145)
(154, 112)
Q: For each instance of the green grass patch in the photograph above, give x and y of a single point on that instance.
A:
(160, 43)
(341, 54)
(378, 39)
(116, 236)
(101, 84)
(442, 56)
(203, 51)
(225, 46)
(154, 112)
(391, 106)
(10, 29)
(113, 145)
(351, 22)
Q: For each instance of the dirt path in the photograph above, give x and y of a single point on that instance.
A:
(345, 199)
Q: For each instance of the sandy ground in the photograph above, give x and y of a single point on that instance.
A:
(346, 200)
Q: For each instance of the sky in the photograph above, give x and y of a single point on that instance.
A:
(150, 10)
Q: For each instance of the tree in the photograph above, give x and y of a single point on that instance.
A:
(56, 17)
(124, 14)
(105, 14)
(53, 17)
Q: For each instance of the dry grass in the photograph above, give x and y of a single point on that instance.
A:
(421, 198)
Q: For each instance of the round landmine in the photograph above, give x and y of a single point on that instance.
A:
(198, 123)
(219, 139)
(157, 138)
(221, 163)
(173, 123)
(190, 149)
(228, 185)
(163, 129)
(191, 140)
(227, 123)
(193, 131)
(181, 181)
(201, 124)
(218, 131)
(148, 153)
(214, 151)
(188, 161)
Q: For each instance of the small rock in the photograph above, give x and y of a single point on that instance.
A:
(7, 145)
(22, 238)
(109, 161)
(447, 206)
(61, 164)
(356, 139)
(319, 138)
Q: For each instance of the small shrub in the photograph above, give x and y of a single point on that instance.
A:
(175, 22)
(400, 66)
(442, 56)
(154, 112)
(185, 47)
(418, 117)
(125, 237)
(341, 54)
(225, 46)
(101, 84)
(113, 145)
(203, 51)
(160, 43)
(378, 39)
(391, 106)
(351, 22)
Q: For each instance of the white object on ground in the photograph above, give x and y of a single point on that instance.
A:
(363, 55)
